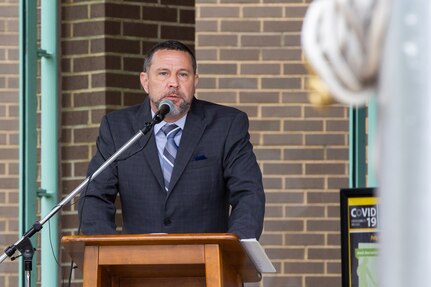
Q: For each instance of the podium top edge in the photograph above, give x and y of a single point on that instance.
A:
(192, 238)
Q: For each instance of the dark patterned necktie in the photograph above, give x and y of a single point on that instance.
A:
(170, 152)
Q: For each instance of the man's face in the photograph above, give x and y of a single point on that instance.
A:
(170, 76)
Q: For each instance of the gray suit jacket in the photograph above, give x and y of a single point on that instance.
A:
(216, 185)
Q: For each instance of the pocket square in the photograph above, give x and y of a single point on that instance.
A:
(200, 157)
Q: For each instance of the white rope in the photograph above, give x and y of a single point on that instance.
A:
(342, 42)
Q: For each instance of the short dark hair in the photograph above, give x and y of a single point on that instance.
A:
(169, 45)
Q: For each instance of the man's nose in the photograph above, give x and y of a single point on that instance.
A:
(173, 81)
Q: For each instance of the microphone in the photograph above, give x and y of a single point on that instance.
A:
(165, 107)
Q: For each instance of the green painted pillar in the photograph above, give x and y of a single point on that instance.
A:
(27, 126)
(357, 147)
(49, 141)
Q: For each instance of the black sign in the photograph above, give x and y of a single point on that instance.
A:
(359, 233)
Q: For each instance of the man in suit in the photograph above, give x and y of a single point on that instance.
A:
(200, 177)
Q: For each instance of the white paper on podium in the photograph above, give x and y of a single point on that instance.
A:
(257, 255)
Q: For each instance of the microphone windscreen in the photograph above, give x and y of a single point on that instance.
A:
(166, 106)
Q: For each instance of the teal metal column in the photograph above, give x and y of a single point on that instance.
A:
(27, 125)
(357, 147)
(49, 141)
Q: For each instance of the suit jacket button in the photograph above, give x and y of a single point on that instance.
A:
(167, 221)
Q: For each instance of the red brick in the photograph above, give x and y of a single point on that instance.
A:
(141, 30)
(303, 154)
(85, 135)
(74, 118)
(271, 239)
(326, 139)
(162, 14)
(260, 69)
(321, 281)
(134, 98)
(267, 153)
(264, 125)
(283, 139)
(219, 11)
(259, 40)
(282, 168)
(206, 26)
(285, 197)
(259, 97)
(75, 12)
(284, 26)
(322, 197)
(272, 183)
(8, 153)
(75, 82)
(305, 211)
(238, 83)
(244, 54)
(280, 111)
(304, 267)
(75, 47)
(115, 80)
(219, 97)
(111, 45)
(282, 83)
(324, 253)
(8, 183)
(218, 69)
(180, 33)
(85, 64)
(285, 253)
(282, 54)
(123, 11)
(187, 16)
(304, 239)
(248, 26)
(304, 183)
(262, 12)
(217, 40)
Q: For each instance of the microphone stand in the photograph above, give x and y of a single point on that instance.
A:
(24, 245)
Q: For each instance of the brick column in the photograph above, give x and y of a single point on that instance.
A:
(103, 45)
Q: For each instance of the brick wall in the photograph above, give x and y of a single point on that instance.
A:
(9, 138)
(249, 57)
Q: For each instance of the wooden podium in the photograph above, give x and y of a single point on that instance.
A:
(156, 260)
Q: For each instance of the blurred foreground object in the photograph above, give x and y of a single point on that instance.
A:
(342, 42)
(404, 99)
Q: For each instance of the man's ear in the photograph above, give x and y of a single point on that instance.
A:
(143, 77)
(196, 80)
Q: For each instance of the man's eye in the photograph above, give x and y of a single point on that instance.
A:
(163, 73)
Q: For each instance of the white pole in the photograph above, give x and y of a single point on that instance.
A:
(405, 147)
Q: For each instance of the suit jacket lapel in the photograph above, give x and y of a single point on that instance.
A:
(193, 130)
(150, 151)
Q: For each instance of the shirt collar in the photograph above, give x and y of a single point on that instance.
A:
(181, 123)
